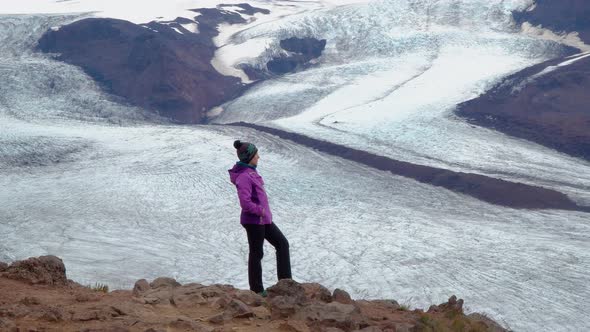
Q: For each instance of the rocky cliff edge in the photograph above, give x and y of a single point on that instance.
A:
(35, 295)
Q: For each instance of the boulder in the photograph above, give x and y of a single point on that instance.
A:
(164, 282)
(249, 297)
(194, 294)
(288, 288)
(48, 270)
(283, 306)
(238, 309)
(217, 319)
(334, 314)
(261, 312)
(452, 305)
(158, 296)
(217, 290)
(141, 286)
(285, 298)
(341, 296)
(317, 292)
(221, 302)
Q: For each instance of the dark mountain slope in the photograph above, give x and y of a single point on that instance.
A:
(552, 109)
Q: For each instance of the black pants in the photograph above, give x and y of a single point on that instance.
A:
(256, 236)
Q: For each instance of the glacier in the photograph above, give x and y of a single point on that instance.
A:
(121, 194)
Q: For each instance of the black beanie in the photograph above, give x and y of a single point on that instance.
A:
(246, 151)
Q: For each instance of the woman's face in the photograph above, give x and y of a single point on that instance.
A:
(254, 160)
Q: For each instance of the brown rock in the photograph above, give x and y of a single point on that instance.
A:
(284, 306)
(30, 300)
(217, 319)
(53, 315)
(215, 291)
(164, 282)
(103, 312)
(334, 314)
(451, 305)
(114, 328)
(158, 296)
(287, 287)
(341, 296)
(238, 309)
(388, 304)
(285, 298)
(87, 297)
(370, 329)
(189, 324)
(3, 266)
(6, 324)
(140, 287)
(15, 310)
(261, 312)
(489, 324)
(221, 302)
(48, 270)
(189, 295)
(84, 316)
(404, 327)
(315, 291)
(294, 326)
(249, 297)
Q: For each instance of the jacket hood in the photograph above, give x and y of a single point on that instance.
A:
(235, 172)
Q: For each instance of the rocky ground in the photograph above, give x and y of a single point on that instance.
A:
(35, 295)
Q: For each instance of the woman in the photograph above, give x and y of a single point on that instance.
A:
(256, 217)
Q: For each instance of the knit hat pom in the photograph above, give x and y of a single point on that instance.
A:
(245, 151)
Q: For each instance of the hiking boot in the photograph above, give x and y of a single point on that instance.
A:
(263, 293)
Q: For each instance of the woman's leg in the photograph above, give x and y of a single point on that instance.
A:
(255, 244)
(274, 236)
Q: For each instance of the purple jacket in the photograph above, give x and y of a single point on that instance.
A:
(253, 199)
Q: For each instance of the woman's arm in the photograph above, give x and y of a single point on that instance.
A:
(244, 185)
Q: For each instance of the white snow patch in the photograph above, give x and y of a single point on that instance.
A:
(562, 64)
(192, 27)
